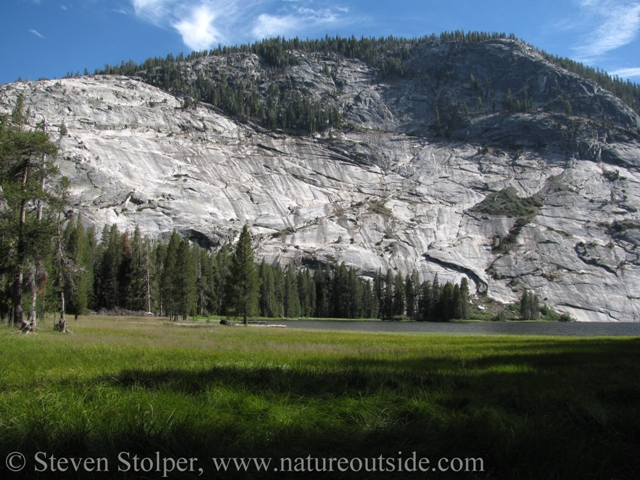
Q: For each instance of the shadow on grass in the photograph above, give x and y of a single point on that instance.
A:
(541, 410)
(581, 362)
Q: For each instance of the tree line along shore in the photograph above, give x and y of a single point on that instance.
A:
(179, 279)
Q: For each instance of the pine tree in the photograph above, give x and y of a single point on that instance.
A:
(534, 307)
(106, 278)
(268, 301)
(205, 282)
(464, 298)
(92, 257)
(456, 304)
(375, 301)
(509, 102)
(525, 306)
(138, 273)
(168, 290)
(306, 293)
(150, 289)
(425, 305)
(412, 288)
(378, 293)
(291, 294)
(398, 296)
(79, 252)
(321, 279)
(244, 283)
(222, 266)
(341, 296)
(436, 294)
(125, 274)
(279, 289)
(184, 279)
(25, 167)
(388, 294)
(355, 291)
(369, 302)
(158, 256)
(445, 305)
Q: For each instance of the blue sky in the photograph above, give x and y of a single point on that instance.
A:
(48, 38)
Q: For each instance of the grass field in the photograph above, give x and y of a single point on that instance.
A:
(529, 407)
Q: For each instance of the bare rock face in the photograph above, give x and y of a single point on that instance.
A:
(388, 192)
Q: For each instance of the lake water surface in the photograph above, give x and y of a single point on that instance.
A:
(573, 329)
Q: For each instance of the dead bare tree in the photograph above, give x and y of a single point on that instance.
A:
(66, 273)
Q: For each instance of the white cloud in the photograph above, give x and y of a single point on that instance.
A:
(301, 20)
(205, 23)
(627, 72)
(270, 26)
(36, 33)
(615, 23)
(150, 10)
(198, 32)
(199, 22)
(141, 5)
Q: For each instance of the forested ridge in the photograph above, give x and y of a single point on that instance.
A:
(275, 103)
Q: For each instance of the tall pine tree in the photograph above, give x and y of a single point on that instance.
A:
(79, 252)
(244, 284)
(464, 298)
(525, 305)
(26, 165)
(168, 287)
(184, 279)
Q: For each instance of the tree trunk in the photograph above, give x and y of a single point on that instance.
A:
(61, 326)
(30, 324)
(40, 202)
(34, 292)
(147, 298)
(32, 310)
(17, 299)
(17, 286)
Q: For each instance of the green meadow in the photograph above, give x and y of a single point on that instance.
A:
(529, 407)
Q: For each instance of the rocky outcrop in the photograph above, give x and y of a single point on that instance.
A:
(386, 191)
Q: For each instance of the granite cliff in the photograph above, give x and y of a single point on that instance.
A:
(484, 160)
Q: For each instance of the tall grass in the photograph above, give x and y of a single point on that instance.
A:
(530, 407)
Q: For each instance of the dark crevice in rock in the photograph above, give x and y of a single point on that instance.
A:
(481, 285)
